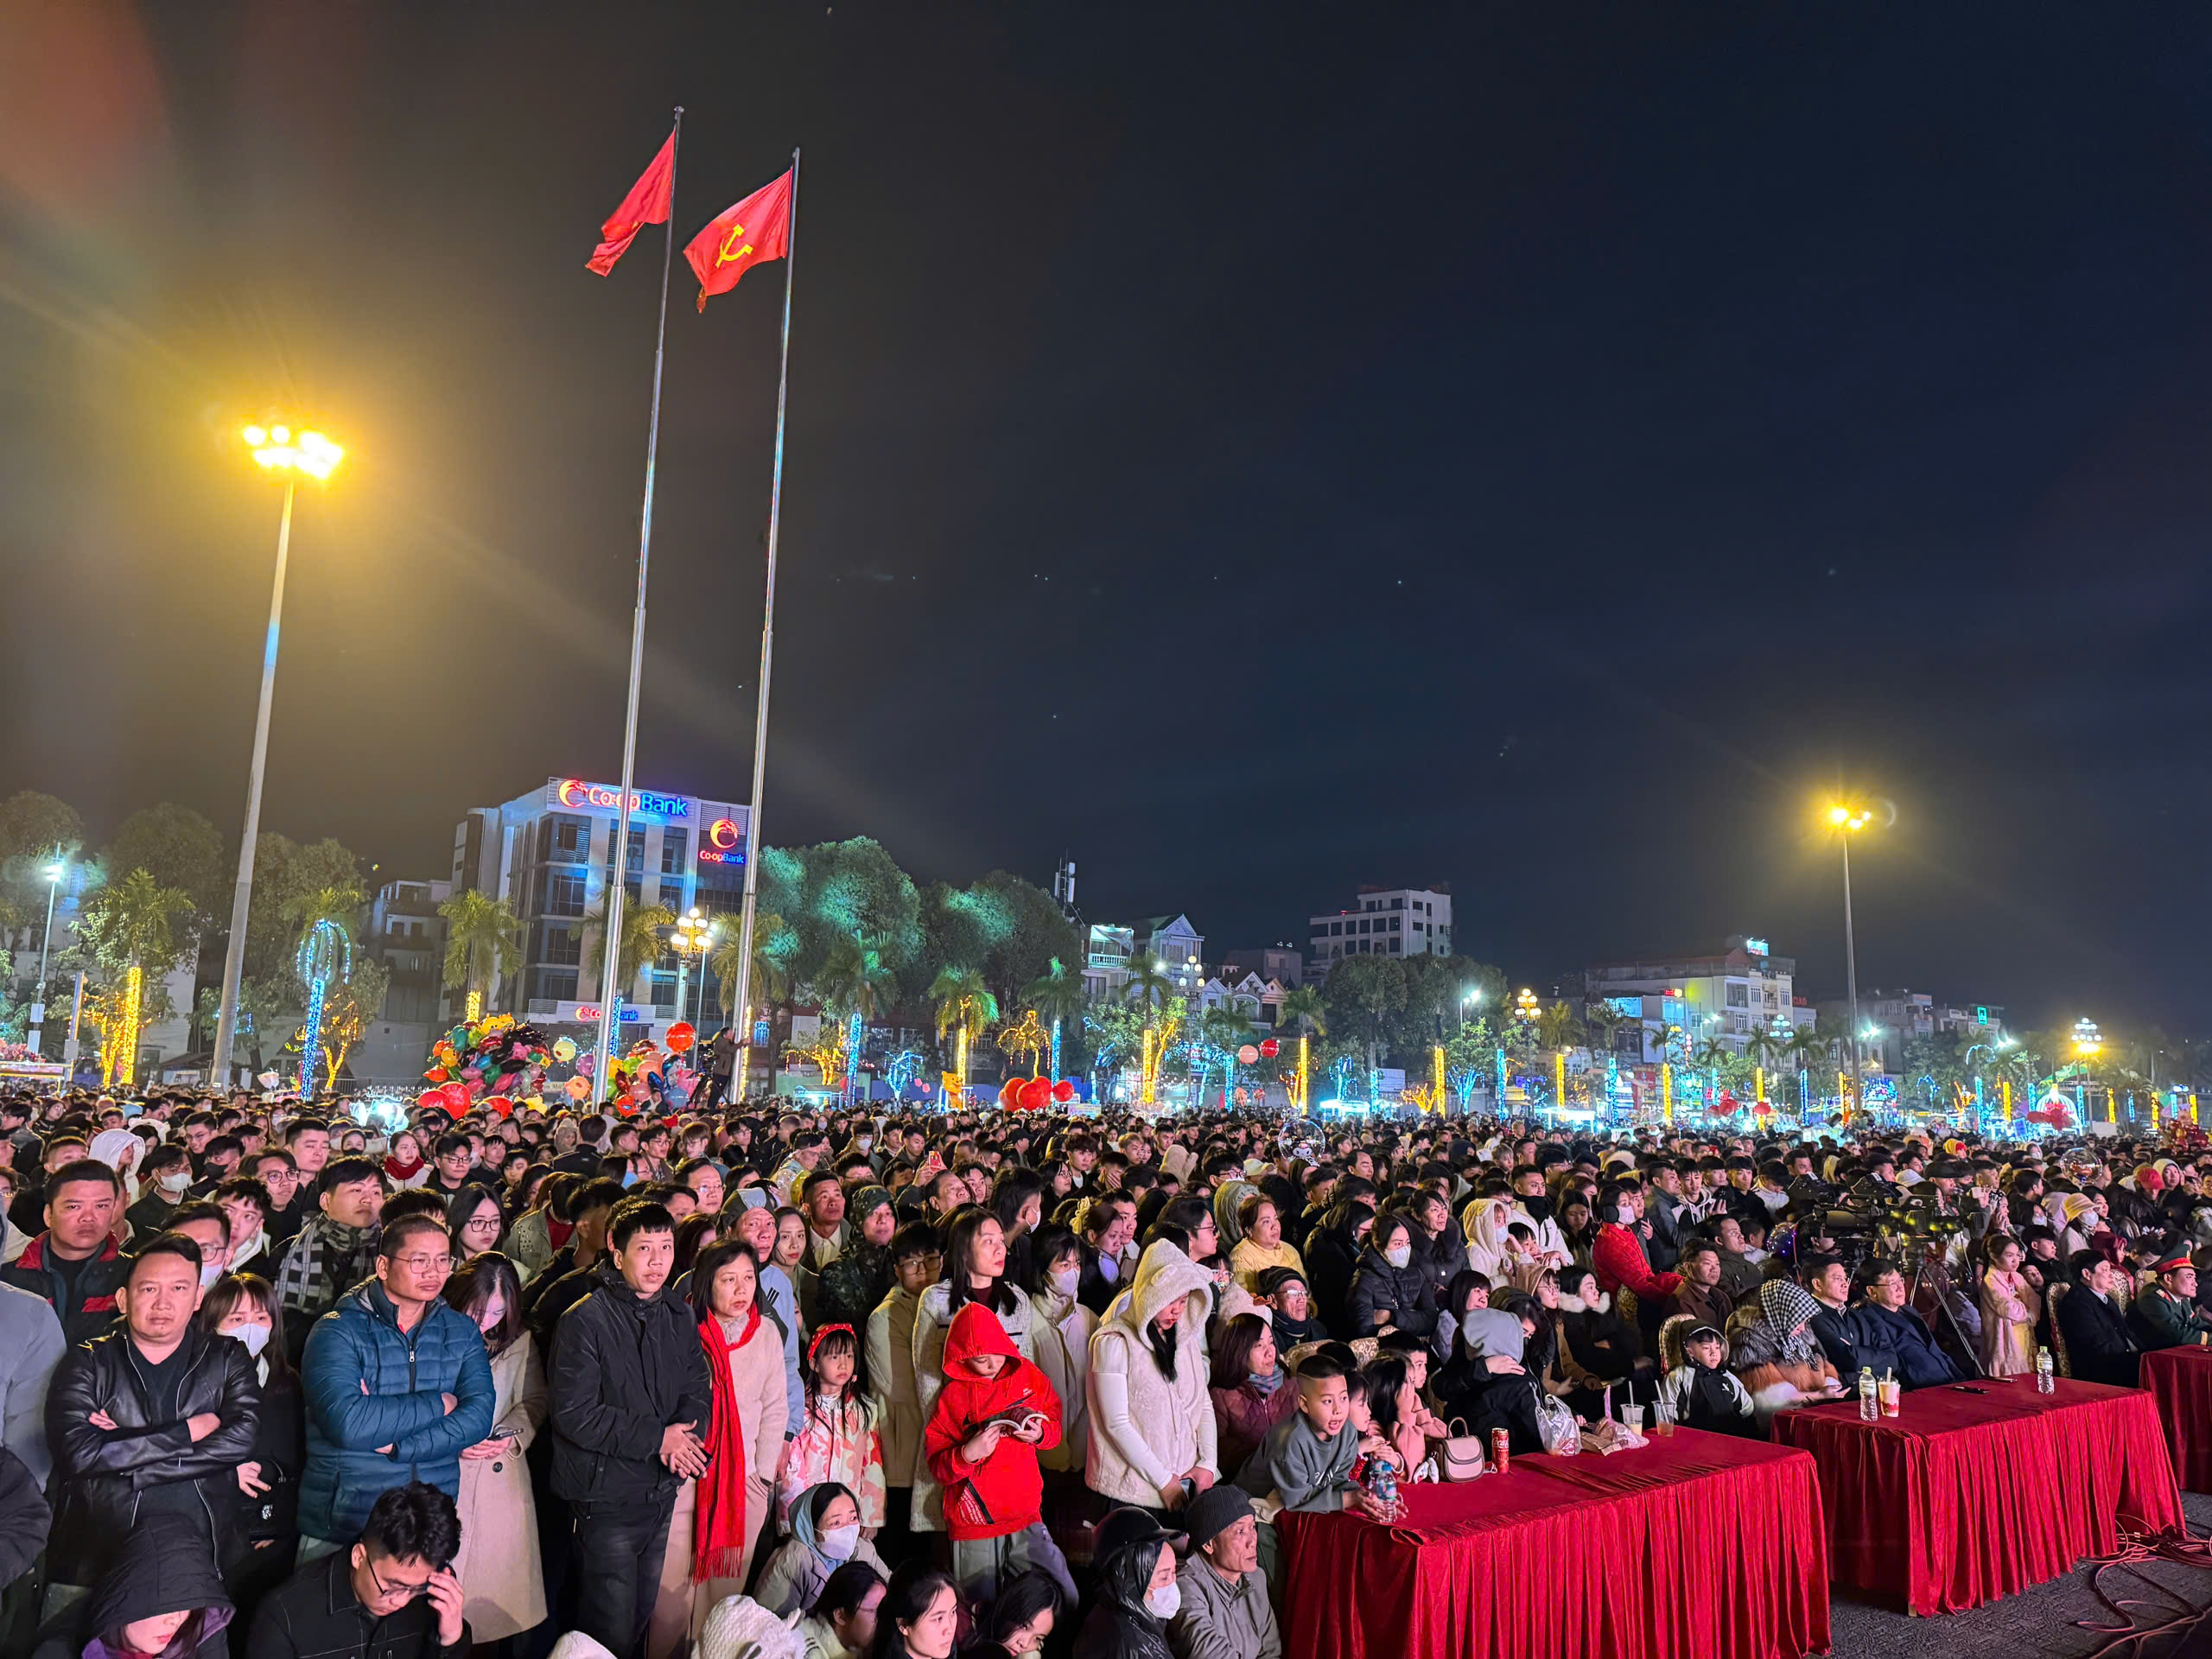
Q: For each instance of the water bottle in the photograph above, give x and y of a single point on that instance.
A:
(1870, 1397)
(2045, 1383)
(1382, 1482)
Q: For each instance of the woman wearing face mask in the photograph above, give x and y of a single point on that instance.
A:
(1333, 1257)
(244, 1307)
(1134, 1561)
(1108, 1222)
(1389, 1290)
(1061, 1329)
(825, 1533)
(853, 1285)
(498, 1564)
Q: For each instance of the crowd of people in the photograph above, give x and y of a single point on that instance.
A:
(276, 1382)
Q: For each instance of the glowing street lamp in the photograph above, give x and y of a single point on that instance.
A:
(275, 449)
(53, 873)
(1845, 821)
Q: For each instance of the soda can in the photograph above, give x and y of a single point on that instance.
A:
(1501, 1450)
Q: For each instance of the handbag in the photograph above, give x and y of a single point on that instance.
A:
(1459, 1456)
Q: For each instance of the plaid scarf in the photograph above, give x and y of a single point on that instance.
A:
(325, 1261)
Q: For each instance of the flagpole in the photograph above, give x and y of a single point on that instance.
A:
(610, 944)
(753, 842)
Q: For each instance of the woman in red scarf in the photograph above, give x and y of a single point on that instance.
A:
(405, 1165)
(717, 1517)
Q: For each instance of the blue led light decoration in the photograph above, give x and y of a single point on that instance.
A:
(326, 954)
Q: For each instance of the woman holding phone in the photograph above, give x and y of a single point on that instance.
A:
(498, 1564)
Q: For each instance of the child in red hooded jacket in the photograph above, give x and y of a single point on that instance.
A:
(994, 1412)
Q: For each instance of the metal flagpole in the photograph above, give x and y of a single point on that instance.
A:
(610, 945)
(767, 661)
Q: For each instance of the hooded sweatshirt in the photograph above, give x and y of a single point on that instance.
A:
(162, 1567)
(1005, 1492)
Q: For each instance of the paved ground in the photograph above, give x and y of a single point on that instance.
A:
(2040, 1623)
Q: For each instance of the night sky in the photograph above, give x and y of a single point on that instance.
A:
(1254, 450)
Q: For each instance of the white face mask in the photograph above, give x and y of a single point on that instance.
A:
(175, 1182)
(839, 1543)
(1066, 1280)
(1165, 1602)
(255, 1337)
(1398, 1255)
(1109, 1268)
(867, 1142)
(209, 1273)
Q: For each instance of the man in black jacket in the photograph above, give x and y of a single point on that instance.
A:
(2098, 1346)
(152, 1418)
(630, 1402)
(391, 1596)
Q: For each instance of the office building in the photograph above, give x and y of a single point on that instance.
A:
(1384, 921)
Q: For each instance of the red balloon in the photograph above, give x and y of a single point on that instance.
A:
(1269, 1049)
(680, 1036)
(1010, 1094)
(436, 1074)
(500, 1104)
(1064, 1091)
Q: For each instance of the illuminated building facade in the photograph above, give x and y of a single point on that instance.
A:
(551, 854)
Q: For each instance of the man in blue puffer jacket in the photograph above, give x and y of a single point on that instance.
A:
(396, 1385)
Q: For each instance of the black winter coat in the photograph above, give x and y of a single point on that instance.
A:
(1409, 1293)
(101, 1475)
(162, 1568)
(623, 1370)
(24, 1518)
(1331, 1259)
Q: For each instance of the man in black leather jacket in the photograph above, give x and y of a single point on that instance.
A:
(152, 1418)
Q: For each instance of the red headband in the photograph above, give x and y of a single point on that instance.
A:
(823, 1333)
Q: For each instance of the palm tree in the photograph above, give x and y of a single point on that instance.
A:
(1601, 1019)
(640, 944)
(483, 941)
(1556, 1026)
(854, 984)
(1809, 1050)
(1303, 1007)
(771, 984)
(965, 1010)
(1057, 996)
(131, 928)
(1148, 981)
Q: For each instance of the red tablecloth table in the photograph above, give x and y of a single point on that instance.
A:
(1695, 1544)
(2180, 1380)
(1964, 1498)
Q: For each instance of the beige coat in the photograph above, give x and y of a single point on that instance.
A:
(498, 1565)
(890, 1385)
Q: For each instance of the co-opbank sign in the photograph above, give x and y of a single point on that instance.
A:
(575, 793)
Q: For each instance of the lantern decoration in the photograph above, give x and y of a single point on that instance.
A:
(1248, 1055)
(1269, 1049)
(680, 1037)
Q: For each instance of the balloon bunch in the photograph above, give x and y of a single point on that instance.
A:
(1034, 1094)
(2056, 1114)
(477, 1060)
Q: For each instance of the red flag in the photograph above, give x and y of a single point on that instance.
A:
(646, 204)
(758, 228)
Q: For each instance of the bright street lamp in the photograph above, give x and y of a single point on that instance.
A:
(275, 449)
(1847, 820)
(53, 873)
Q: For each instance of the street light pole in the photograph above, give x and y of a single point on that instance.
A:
(1851, 978)
(274, 449)
(54, 874)
(227, 1019)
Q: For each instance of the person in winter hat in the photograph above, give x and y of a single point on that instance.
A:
(1137, 1592)
(161, 1598)
(995, 1411)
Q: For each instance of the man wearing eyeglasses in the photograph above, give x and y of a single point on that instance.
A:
(397, 1383)
(391, 1596)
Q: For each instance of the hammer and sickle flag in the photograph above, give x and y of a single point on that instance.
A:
(757, 229)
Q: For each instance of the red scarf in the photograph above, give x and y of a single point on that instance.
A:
(719, 1534)
(557, 1231)
(401, 1171)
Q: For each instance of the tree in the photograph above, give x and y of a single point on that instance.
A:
(771, 984)
(179, 847)
(285, 877)
(965, 1010)
(34, 830)
(839, 890)
(1148, 982)
(640, 944)
(1362, 994)
(1057, 996)
(1302, 1007)
(347, 1008)
(1221, 1031)
(1036, 934)
(1556, 1026)
(131, 928)
(483, 941)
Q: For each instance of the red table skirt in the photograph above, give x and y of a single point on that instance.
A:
(1964, 1498)
(1695, 1544)
(2180, 1380)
